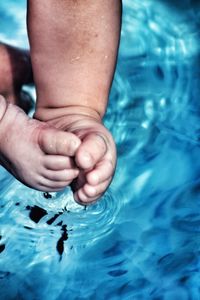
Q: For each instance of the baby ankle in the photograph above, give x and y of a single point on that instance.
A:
(48, 114)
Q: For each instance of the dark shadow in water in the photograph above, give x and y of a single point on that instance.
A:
(182, 5)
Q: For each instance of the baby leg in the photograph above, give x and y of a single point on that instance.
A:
(74, 47)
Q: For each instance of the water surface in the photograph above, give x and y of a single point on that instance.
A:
(141, 241)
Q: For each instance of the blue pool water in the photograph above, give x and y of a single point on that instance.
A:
(142, 240)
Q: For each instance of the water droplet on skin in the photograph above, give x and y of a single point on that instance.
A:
(74, 59)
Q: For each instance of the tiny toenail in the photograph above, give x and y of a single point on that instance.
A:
(96, 178)
(87, 156)
(74, 144)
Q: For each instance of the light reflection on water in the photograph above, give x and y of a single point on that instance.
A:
(142, 240)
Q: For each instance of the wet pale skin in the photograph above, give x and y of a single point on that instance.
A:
(73, 52)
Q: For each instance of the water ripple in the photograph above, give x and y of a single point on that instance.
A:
(36, 216)
(86, 225)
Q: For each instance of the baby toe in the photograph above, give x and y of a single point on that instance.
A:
(92, 149)
(96, 191)
(61, 175)
(58, 142)
(89, 194)
(58, 162)
(103, 171)
(47, 185)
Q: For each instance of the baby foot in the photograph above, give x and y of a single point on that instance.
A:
(95, 158)
(35, 153)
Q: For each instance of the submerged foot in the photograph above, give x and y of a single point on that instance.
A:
(37, 154)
